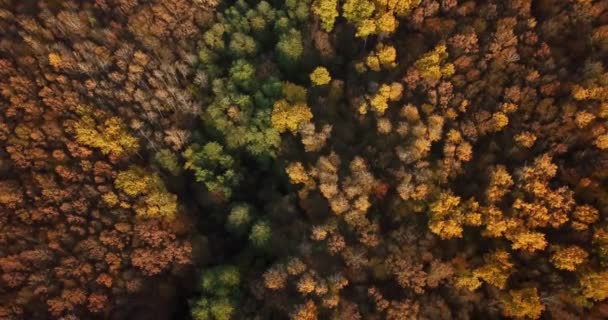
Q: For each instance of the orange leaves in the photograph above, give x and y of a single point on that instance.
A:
(307, 311)
(569, 258)
(10, 194)
(54, 60)
(497, 269)
(527, 241)
(522, 303)
(275, 278)
(500, 182)
(161, 249)
(448, 215)
(595, 285)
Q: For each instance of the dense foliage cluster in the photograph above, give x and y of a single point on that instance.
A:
(303, 159)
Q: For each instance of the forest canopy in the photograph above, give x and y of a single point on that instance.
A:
(303, 159)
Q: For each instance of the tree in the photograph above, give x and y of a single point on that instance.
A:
(327, 10)
(594, 285)
(168, 161)
(212, 166)
(522, 303)
(260, 234)
(432, 66)
(111, 138)
(239, 218)
(288, 117)
(569, 258)
(220, 292)
(289, 48)
(357, 11)
(320, 76)
(154, 200)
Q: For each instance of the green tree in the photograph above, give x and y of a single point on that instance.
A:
(220, 292)
(212, 166)
(168, 161)
(260, 234)
(239, 218)
(243, 74)
(289, 48)
(242, 45)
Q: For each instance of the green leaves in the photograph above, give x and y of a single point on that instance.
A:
(260, 234)
(242, 45)
(243, 74)
(220, 288)
(213, 167)
(289, 48)
(239, 218)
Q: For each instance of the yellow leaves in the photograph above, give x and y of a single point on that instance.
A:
(110, 198)
(569, 258)
(320, 76)
(595, 285)
(500, 182)
(446, 229)
(399, 7)
(497, 269)
(528, 241)
(448, 216)
(383, 57)
(496, 224)
(592, 93)
(55, 60)
(379, 102)
(132, 182)
(522, 303)
(468, 281)
(381, 17)
(327, 10)
(156, 201)
(286, 117)
(386, 23)
(297, 174)
(432, 65)
(366, 28)
(583, 216)
(111, 138)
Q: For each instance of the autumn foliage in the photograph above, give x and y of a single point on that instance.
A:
(303, 159)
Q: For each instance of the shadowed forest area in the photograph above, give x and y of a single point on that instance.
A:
(303, 159)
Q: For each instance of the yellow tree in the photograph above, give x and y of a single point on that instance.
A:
(320, 76)
(112, 137)
(327, 10)
(287, 117)
(497, 269)
(569, 258)
(433, 66)
(522, 303)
